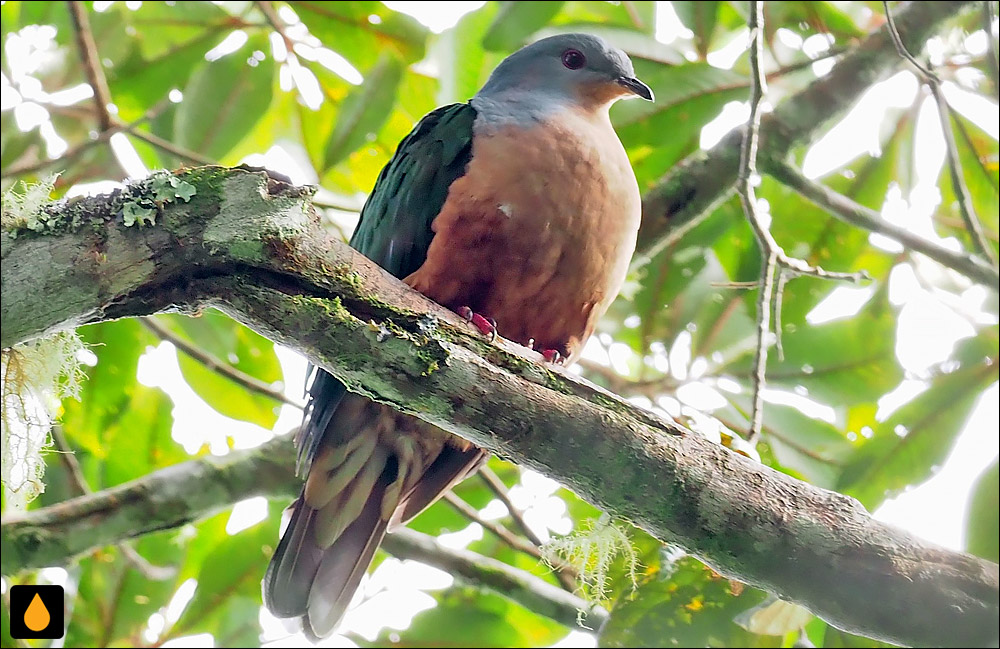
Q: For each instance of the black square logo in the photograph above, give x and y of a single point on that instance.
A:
(37, 612)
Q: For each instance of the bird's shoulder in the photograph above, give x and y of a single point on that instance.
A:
(394, 228)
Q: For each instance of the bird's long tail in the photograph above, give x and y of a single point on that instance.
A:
(323, 555)
(387, 471)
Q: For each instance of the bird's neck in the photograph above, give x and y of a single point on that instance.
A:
(507, 108)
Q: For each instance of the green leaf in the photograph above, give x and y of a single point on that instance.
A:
(516, 21)
(982, 519)
(14, 143)
(700, 18)
(465, 65)
(140, 82)
(359, 170)
(364, 111)
(671, 298)
(585, 16)
(687, 605)
(842, 362)
(232, 343)
(810, 449)
(807, 18)
(114, 599)
(141, 438)
(111, 385)
(467, 617)
(362, 32)
(687, 97)
(977, 156)
(911, 444)
(224, 99)
(159, 28)
(229, 582)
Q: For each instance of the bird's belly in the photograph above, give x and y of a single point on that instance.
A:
(538, 235)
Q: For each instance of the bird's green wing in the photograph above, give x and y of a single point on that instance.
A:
(395, 227)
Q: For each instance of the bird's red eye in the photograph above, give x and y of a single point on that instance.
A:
(574, 59)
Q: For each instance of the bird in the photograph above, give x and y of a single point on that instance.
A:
(519, 210)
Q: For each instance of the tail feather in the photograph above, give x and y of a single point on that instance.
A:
(294, 563)
(448, 469)
(344, 564)
(317, 583)
(371, 466)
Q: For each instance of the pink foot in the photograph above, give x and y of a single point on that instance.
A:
(486, 326)
(552, 356)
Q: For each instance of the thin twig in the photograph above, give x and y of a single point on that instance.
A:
(276, 24)
(991, 51)
(760, 356)
(501, 532)
(745, 186)
(91, 63)
(897, 40)
(340, 207)
(633, 15)
(775, 258)
(212, 363)
(783, 278)
(68, 458)
(965, 206)
(848, 211)
(79, 481)
(652, 388)
(565, 573)
(170, 147)
(737, 286)
(78, 150)
(520, 586)
(70, 155)
(494, 482)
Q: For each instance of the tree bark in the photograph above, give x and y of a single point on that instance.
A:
(249, 244)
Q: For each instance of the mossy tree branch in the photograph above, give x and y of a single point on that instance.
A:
(250, 244)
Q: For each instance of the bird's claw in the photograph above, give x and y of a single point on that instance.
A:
(552, 356)
(486, 326)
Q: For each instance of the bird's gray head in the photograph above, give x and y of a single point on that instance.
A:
(578, 68)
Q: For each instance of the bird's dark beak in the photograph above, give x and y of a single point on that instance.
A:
(636, 87)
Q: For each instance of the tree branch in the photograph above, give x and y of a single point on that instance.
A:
(167, 146)
(79, 482)
(212, 363)
(856, 214)
(694, 187)
(951, 149)
(499, 489)
(517, 585)
(252, 246)
(566, 574)
(198, 488)
(91, 63)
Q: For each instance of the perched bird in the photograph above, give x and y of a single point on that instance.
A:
(519, 205)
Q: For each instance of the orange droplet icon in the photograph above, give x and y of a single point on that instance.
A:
(37, 616)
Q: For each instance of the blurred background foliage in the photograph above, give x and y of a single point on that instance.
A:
(324, 91)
